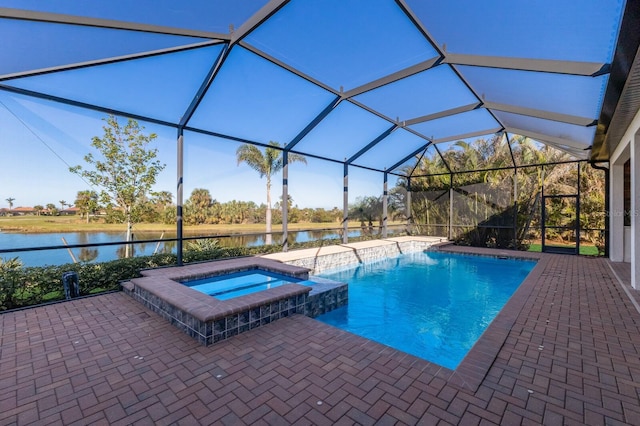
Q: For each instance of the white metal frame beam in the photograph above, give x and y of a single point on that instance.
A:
(442, 114)
(469, 135)
(110, 60)
(258, 18)
(58, 18)
(391, 78)
(537, 113)
(287, 67)
(527, 64)
(548, 139)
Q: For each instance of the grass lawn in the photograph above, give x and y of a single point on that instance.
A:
(586, 250)
(42, 224)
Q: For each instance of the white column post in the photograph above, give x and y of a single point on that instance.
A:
(635, 209)
(616, 213)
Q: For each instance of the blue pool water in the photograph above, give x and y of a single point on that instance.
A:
(237, 284)
(432, 305)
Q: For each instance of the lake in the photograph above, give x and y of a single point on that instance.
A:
(106, 253)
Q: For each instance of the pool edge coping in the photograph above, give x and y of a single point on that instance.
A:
(475, 366)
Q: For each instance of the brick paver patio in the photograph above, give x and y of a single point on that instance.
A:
(572, 356)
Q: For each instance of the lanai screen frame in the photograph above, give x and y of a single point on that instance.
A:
(236, 38)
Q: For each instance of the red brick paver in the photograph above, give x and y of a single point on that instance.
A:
(571, 356)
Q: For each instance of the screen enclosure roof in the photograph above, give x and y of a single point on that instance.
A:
(372, 83)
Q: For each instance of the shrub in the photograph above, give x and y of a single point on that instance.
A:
(26, 286)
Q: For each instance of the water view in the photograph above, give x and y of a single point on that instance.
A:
(106, 253)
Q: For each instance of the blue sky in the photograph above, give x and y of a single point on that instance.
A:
(36, 171)
(337, 42)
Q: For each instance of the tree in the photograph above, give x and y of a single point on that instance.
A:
(10, 200)
(158, 206)
(53, 210)
(294, 213)
(366, 210)
(483, 196)
(87, 203)
(38, 208)
(197, 206)
(162, 199)
(266, 164)
(62, 204)
(126, 169)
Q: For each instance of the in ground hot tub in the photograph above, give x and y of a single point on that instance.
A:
(241, 283)
(216, 300)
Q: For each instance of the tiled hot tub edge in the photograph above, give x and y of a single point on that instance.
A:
(210, 320)
(211, 328)
(325, 296)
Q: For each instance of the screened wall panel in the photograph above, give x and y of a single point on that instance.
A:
(427, 162)
(483, 208)
(428, 92)
(561, 179)
(430, 205)
(365, 200)
(592, 205)
(220, 191)
(529, 189)
(478, 153)
(527, 151)
(391, 150)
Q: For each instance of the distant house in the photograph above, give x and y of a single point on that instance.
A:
(22, 211)
(4, 212)
(71, 211)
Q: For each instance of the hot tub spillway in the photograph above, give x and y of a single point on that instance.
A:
(210, 319)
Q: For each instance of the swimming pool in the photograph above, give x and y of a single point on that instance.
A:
(433, 305)
(237, 284)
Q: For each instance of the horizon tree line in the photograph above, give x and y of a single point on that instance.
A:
(123, 169)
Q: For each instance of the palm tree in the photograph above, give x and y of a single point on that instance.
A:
(266, 164)
(62, 204)
(38, 208)
(10, 200)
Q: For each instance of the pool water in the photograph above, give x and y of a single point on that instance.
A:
(237, 284)
(432, 305)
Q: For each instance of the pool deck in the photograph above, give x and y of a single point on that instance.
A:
(571, 355)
